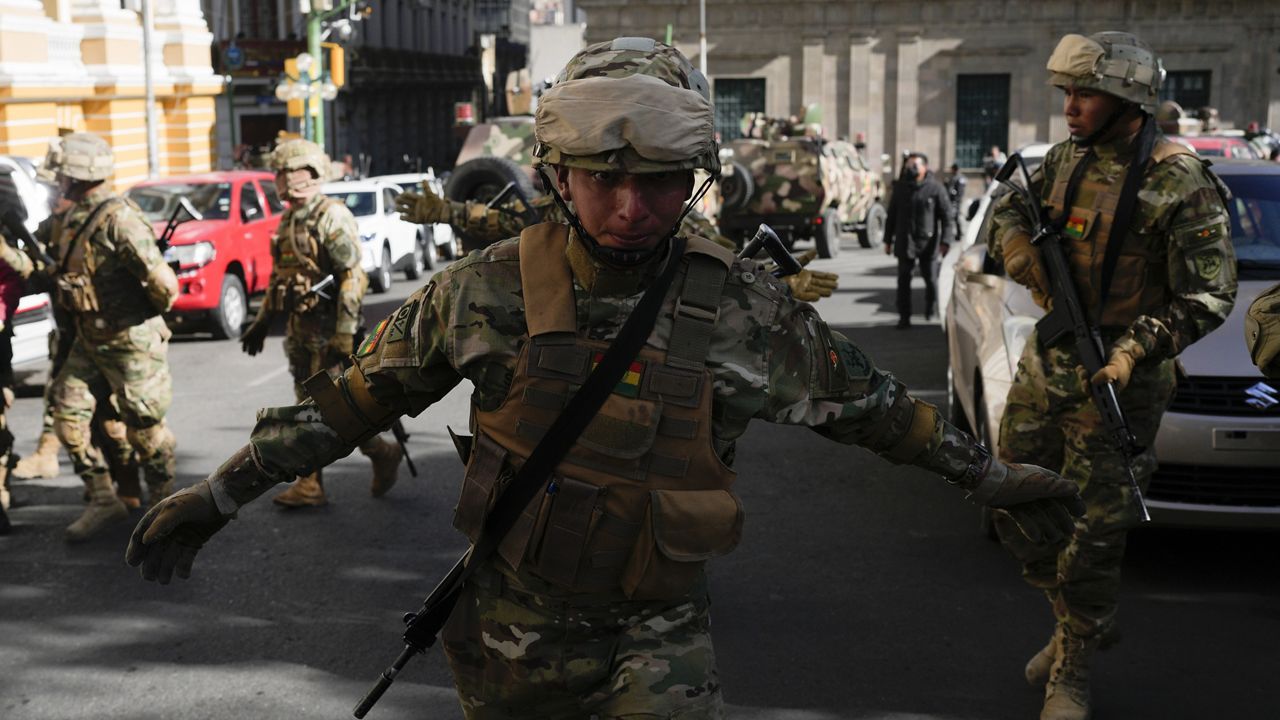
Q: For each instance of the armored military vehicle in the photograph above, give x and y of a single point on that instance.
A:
(805, 187)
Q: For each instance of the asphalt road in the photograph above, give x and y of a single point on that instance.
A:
(861, 590)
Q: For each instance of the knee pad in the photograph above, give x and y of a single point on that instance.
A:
(74, 434)
(151, 441)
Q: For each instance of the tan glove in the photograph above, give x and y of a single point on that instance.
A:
(812, 285)
(424, 207)
(1023, 264)
(254, 337)
(1040, 501)
(341, 345)
(1124, 355)
(168, 537)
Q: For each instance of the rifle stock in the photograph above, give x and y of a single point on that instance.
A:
(13, 223)
(1068, 316)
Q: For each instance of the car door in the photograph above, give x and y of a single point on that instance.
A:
(253, 231)
(259, 250)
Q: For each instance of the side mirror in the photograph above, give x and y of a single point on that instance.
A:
(972, 212)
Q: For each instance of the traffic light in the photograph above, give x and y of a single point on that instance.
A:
(337, 64)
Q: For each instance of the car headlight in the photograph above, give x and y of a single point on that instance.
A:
(192, 256)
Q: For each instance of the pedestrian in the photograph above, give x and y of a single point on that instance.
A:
(483, 225)
(992, 163)
(1156, 284)
(114, 284)
(956, 183)
(596, 605)
(919, 230)
(317, 240)
(1262, 332)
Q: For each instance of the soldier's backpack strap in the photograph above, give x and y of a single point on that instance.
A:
(546, 280)
(697, 306)
(1166, 148)
(311, 224)
(90, 226)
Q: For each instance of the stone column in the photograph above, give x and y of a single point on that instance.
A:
(39, 62)
(907, 116)
(189, 114)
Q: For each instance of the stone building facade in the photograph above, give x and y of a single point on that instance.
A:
(77, 65)
(951, 77)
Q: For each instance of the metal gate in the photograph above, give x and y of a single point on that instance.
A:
(735, 97)
(982, 117)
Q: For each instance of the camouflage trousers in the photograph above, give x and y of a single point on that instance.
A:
(516, 654)
(1050, 420)
(132, 365)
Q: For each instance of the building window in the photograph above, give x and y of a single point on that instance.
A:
(1188, 88)
(982, 117)
(735, 97)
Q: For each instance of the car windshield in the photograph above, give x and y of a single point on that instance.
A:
(1255, 224)
(359, 203)
(213, 200)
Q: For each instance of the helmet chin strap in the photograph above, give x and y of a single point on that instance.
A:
(1112, 119)
(614, 256)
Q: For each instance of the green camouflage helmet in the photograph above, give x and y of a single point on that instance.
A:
(1116, 63)
(632, 105)
(85, 156)
(297, 154)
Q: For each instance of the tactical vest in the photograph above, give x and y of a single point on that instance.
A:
(298, 262)
(91, 283)
(642, 499)
(1139, 284)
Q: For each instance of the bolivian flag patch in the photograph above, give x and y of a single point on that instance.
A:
(371, 340)
(629, 385)
(1074, 228)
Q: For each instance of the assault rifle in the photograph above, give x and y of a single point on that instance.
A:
(1068, 317)
(13, 223)
(184, 205)
(512, 188)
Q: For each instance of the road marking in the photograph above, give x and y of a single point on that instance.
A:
(270, 376)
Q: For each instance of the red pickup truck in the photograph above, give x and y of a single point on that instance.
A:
(223, 257)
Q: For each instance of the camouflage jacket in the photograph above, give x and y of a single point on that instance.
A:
(1179, 219)
(317, 239)
(121, 261)
(1262, 332)
(770, 357)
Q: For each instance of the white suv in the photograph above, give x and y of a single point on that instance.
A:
(387, 242)
(446, 245)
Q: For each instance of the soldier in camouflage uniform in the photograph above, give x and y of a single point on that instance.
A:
(1262, 332)
(1174, 281)
(487, 225)
(316, 239)
(596, 604)
(114, 283)
(109, 433)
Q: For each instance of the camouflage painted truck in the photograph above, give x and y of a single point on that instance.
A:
(806, 188)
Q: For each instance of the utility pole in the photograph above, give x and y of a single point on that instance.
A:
(315, 113)
(702, 36)
(148, 20)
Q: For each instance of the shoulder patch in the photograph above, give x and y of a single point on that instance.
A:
(401, 322)
(370, 343)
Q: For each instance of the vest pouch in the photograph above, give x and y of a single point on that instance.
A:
(75, 291)
(486, 472)
(682, 530)
(572, 515)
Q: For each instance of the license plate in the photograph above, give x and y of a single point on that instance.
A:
(1252, 439)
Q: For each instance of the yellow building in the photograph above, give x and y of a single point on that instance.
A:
(77, 65)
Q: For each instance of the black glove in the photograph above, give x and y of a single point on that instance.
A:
(255, 336)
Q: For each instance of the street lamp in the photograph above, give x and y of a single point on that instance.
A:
(307, 80)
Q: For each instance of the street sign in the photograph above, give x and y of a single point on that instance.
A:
(234, 57)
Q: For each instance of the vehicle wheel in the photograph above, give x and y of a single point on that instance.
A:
(451, 250)
(736, 188)
(233, 308)
(982, 434)
(827, 239)
(484, 177)
(423, 258)
(380, 278)
(872, 232)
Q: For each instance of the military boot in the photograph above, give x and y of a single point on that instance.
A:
(306, 491)
(43, 463)
(1066, 696)
(1037, 669)
(104, 509)
(386, 464)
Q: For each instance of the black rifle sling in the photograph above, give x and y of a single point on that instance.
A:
(1124, 208)
(582, 407)
(1073, 187)
(91, 225)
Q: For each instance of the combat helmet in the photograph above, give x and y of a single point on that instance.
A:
(85, 156)
(1116, 63)
(631, 105)
(297, 154)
